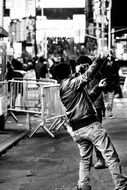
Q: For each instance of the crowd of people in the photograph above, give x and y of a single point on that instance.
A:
(87, 90)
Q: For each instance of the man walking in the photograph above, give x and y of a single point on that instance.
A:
(86, 129)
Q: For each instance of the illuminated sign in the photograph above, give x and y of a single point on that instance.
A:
(62, 4)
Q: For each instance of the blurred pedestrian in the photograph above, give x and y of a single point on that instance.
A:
(85, 127)
(9, 74)
(51, 65)
(111, 72)
(41, 68)
(9, 71)
(30, 73)
(17, 65)
(17, 87)
(72, 63)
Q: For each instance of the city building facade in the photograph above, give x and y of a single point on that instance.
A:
(38, 26)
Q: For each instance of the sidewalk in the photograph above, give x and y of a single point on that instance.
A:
(45, 163)
(14, 131)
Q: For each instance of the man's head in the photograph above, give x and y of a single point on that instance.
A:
(62, 71)
(83, 63)
(84, 60)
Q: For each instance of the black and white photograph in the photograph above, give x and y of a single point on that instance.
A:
(63, 95)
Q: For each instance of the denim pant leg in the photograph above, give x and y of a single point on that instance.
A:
(86, 151)
(95, 134)
(108, 99)
(98, 154)
(103, 143)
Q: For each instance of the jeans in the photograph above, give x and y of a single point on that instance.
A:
(95, 134)
(98, 153)
(108, 99)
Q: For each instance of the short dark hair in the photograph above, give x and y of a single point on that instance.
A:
(84, 59)
(62, 71)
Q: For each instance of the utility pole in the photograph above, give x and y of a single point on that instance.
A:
(97, 15)
(102, 23)
(1, 13)
(109, 24)
(35, 30)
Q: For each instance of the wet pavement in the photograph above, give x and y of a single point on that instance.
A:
(45, 163)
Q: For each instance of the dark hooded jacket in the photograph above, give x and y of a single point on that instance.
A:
(99, 103)
(74, 96)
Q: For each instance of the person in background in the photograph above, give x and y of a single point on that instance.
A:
(41, 68)
(85, 62)
(9, 71)
(118, 90)
(51, 65)
(17, 65)
(111, 72)
(12, 74)
(9, 74)
(72, 63)
(30, 73)
(84, 125)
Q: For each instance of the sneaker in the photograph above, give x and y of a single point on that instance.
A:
(86, 187)
(100, 164)
(111, 116)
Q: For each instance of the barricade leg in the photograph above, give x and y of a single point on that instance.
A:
(14, 117)
(63, 122)
(6, 116)
(55, 123)
(28, 120)
(35, 130)
(44, 127)
(60, 125)
(2, 122)
(12, 114)
(49, 132)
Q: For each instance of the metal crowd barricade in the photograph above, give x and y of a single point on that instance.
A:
(40, 98)
(52, 110)
(3, 97)
(25, 94)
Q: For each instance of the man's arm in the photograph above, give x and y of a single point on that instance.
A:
(95, 66)
(89, 74)
(96, 91)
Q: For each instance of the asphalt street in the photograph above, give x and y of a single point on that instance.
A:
(45, 163)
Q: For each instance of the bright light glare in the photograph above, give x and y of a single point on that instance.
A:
(62, 3)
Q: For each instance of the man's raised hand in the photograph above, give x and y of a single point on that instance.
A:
(104, 54)
(102, 83)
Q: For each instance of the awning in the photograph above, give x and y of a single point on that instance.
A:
(3, 32)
